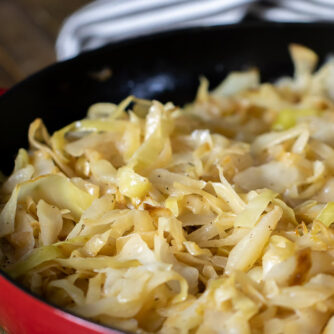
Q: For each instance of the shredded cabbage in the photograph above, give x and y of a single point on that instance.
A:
(288, 118)
(326, 215)
(213, 218)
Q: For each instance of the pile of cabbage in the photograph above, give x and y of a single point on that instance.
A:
(212, 218)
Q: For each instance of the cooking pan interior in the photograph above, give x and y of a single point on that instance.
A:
(164, 67)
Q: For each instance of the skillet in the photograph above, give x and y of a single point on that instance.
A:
(164, 66)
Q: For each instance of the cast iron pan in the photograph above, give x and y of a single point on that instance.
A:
(164, 67)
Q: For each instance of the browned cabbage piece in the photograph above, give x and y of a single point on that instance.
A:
(212, 218)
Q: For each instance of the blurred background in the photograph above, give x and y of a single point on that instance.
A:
(29, 28)
(28, 31)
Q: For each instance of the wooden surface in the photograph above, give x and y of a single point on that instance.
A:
(28, 30)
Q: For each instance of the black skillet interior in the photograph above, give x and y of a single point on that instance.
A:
(164, 67)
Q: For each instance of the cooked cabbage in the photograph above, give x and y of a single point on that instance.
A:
(213, 218)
